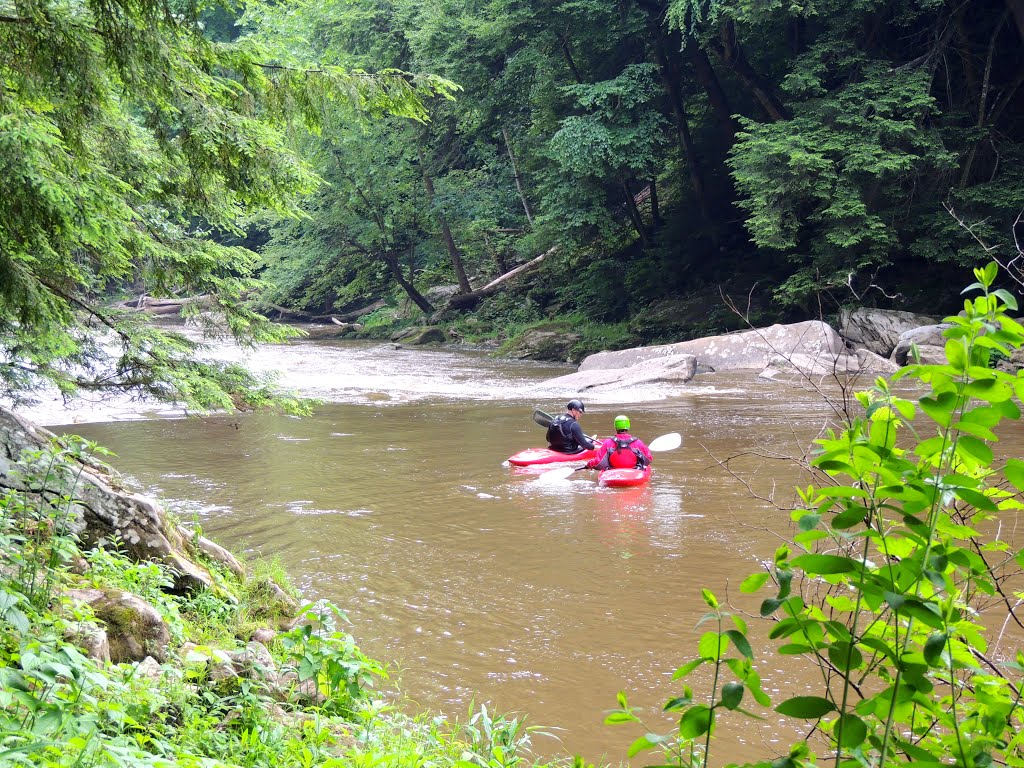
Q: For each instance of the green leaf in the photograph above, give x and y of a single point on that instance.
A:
(732, 695)
(809, 521)
(956, 355)
(755, 581)
(940, 408)
(970, 446)
(740, 641)
(826, 564)
(644, 742)
(677, 703)
(695, 722)
(616, 717)
(1007, 298)
(806, 707)
(851, 731)
(1014, 471)
(934, 647)
(845, 656)
(849, 518)
(687, 668)
(712, 645)
(977, 500)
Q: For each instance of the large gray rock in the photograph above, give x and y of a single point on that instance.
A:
(135, 629)
(90, 637)
(811, 346)
(929, 336)
(677, 369)
(101, 512)
(196, 543)
(879, 330)
(872, 362)
(542, 343)
(420, 335)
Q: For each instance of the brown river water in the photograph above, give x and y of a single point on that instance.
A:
(481, 583)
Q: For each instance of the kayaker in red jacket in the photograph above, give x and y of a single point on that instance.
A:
(565, 434)
(622, 451)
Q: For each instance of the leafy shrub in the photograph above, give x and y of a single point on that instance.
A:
(897, 549)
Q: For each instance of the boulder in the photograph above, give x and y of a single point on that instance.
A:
(924, 336)
(420, 335)
(676, 369)
(100, 511)
(812, 346)
(135, 629)
(871, 362)
(879, 330)
(197, 543)
(90, 637)
(544, 343)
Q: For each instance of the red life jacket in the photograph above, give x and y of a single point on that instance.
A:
(625, 456)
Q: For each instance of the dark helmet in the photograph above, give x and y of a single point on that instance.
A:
(575, 405)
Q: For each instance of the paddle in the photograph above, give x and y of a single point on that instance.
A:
(543, 419)
(668, 442)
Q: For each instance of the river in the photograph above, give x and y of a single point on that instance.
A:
(481, 582)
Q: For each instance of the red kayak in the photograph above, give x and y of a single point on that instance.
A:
(623, 478)
(532, 456)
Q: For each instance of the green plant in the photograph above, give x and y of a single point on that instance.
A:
(36, 525)
(895, 555)
(320, 653)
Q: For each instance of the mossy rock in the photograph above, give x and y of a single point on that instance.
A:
(553, 342)
(420, 335)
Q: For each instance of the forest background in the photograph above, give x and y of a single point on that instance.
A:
(281, 159)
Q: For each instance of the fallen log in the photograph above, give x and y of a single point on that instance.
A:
(349, 316)
(471, 299)
(164, 306)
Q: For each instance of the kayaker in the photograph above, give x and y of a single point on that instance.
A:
(565, 434)
(622, 451)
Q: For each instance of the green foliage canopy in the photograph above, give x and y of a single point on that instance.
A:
(128, 143)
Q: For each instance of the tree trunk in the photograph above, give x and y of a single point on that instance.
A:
(656, 220)
(634, 213)
(569, 60)
(728, 49)
(982, 99)
(446, 233)
(670, 82)
(706, 76)
(515, 175)
(396, 271)
(498, 256)
(470, 300)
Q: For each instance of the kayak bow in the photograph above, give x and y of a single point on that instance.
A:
(623, 478)
(532, 456)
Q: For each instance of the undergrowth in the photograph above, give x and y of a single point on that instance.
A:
(60, 707)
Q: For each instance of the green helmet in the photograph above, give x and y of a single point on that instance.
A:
(621, 423)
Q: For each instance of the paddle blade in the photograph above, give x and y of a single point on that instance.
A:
(543, 419)
(554, 475)
(668, 442)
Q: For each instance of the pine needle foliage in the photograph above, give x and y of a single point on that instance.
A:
(128, 144)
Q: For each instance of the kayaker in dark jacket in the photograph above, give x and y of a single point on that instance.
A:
(565, 434)
(622, 451)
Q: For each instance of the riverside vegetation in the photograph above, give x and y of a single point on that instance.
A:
(897, 563)
(896, 566)
(60, 707)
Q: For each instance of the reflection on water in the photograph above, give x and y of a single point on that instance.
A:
(478, 580)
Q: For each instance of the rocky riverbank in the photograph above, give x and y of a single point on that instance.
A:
(132, 640)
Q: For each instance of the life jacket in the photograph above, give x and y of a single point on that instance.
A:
(559, 435)
(623, 455)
